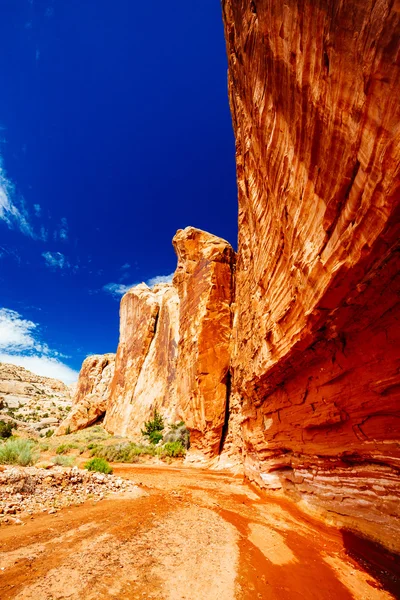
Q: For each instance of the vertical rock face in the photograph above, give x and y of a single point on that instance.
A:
(146, 359)
(314, 90)
(92, 393)
(174, 347)
(204, 280)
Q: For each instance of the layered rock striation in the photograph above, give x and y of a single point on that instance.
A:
(146, 359)
(314, 90)
(92, 393)
(174, 347)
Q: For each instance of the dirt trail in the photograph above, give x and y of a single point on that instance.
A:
(189, 534)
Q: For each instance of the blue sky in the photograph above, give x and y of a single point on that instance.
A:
(115, 132)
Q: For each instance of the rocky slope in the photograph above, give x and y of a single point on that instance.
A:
(314, 90)
(91, 396)
(39, 402)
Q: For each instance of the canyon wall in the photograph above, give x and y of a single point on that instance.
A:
(90, 400)
(314, 90)
(174, 347)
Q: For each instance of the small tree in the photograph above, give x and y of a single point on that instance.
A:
(152, 429)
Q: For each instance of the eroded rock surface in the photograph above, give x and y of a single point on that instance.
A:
(174, 347)
(314, 90)
(146, 359)
(204, 280)
(92, 393)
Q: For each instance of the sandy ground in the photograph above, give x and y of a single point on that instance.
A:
(187, 535)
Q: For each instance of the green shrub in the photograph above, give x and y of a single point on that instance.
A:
(155, 437)
(178, 433)
(68, 430)
(63, 461)
(100, 465)
(153, 427)
(49, 433)
(5, 430)
(65, 448)
(126, 452)
(172, 449)
(17, 452)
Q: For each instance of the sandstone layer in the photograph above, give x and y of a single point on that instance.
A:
(314, 89)
(174, 347)
(26, 398)
(204, 280)
(92, 393)
(146, 359)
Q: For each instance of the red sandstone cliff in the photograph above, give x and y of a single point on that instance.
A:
(174, 347)
(146, 359)
(314, 91)
(91, 397)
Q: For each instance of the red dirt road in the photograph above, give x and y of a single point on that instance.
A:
(186, 535)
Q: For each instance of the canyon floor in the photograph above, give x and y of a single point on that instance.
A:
(183, 534)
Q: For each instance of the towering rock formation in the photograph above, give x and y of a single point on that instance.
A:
(314, 91)
(174, 347)
(204, 280)
(146, 359)
(92, 393)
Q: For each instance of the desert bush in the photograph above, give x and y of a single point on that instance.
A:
(49, 433)
(100, 465)
(17, 452)
(172, 450)
(65, 448)
(63, 461)
(178, 433)
(126, 452)
(153, 428)
(5, 430)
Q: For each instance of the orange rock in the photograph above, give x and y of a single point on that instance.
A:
(92, 393)
(146, 359)
(174, 347)
(204, 280)
(314, 91)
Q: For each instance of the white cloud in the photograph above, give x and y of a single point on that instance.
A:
(20, 344)
(42, 365)
(160, 279)
(56, 260)
(125, 267)
(62, 232)
(12, 210)
(37, 209)
(15, 333)
(119, 289)
(15, 218)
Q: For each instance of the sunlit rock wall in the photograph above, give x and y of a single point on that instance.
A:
(91, 396)
(314, 90)
(174, 347)
(204, 280)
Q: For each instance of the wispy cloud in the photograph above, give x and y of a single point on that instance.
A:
(61, 233)
(119, 289)
(14, 217)
(160, 279)
(21, 344)
(125, 267)
(38, 209)
(13, 211)
(56, 260)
